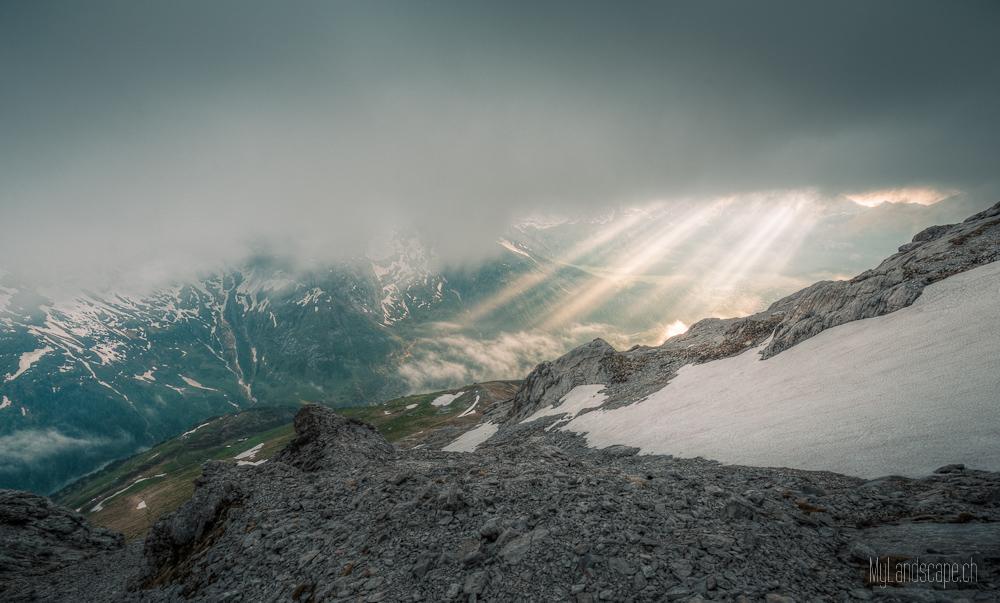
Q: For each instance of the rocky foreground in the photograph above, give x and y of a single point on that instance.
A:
(340, 515)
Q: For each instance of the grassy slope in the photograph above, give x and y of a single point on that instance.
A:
(162, 477)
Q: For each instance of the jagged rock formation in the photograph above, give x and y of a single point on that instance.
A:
(934, 253)
(550, 381)
(324, 439)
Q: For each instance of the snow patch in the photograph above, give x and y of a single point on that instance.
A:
(249, 454)
(141, 505)
(577, 400)
(899, 394)
(187, 433)
(26, 360)
(470, 440)
(445, 399)
(6, 402)
(408, 406)
(5, 296)
(194, 383)
(470, 409)
(511, 247)
(254, 463)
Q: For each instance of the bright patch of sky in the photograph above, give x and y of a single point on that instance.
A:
(675, 328)
(919, 196)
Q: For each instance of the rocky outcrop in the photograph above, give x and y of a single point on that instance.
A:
(39, 537)
(324, 439)
(934, 253)
(177, 538)
(549, 381)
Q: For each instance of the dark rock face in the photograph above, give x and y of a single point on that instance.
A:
(566, 523)
(324, 439)
(508, 526)
(177, 537)
(39, 537)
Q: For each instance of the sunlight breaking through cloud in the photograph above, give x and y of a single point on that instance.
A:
(919, 196)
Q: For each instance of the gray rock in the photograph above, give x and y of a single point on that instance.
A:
(40, 537)
(490, 530)
(324, 439)
(516, 549)
(678, 592)
(954, 468)
(862, 552)
(475, 583)
(590, 560)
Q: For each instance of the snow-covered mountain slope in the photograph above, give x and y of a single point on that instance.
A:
(897, 394)
(893, 372)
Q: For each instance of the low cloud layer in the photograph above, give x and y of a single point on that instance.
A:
(160, 137)
(36, 446)
(454, 360)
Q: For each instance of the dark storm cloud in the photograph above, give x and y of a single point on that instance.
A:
(182, 131)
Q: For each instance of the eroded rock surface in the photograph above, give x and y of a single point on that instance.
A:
(537, 516)
(38, 537)
(324, 439)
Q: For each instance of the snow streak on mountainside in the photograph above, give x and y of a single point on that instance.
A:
(88, 376)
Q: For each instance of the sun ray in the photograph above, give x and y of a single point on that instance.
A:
(586, 298)
(527, 282)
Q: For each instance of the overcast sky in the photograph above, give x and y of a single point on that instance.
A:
(182, 131)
